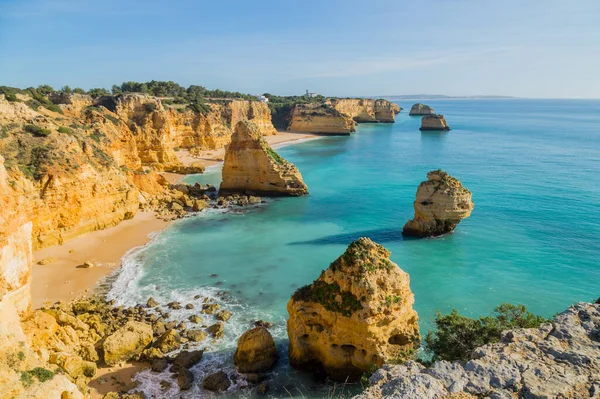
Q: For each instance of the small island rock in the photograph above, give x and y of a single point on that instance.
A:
(434, 122)
(421, 109)
(441, 203)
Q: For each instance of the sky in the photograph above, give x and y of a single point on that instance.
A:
(525, 48)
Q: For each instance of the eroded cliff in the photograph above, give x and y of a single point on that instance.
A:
(252, 167)
(339, 116)
(88, 167)
(358, 314)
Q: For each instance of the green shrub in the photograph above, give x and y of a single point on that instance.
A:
(36, 130)
(40, 373)
(11, 97)
(40, 158)
(54, 108)
(458, 336)
(150, 107)
(65, 130)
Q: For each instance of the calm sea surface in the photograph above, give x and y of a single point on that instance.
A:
(533, 167)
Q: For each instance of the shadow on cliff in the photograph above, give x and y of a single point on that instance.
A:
(378, 235)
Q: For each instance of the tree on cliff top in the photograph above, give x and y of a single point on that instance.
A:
(458, 336)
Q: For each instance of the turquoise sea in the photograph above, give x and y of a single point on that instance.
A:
(533, 167)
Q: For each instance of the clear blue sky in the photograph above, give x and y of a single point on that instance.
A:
(529, 48)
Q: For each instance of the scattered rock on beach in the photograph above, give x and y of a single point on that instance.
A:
(47, 261)
(152, 303)
(127, 342)
(223, 315)
(216, 330)
(210, 308)
(256, 351)
(195, 319)
(217, 382)
(169, 341)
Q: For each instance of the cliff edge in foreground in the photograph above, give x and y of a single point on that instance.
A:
(252, 167)
(558, 360)
(358, 314)
(441, 203)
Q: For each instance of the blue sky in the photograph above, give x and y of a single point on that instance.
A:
(528, 48)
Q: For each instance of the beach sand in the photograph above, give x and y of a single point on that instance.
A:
(62, 280)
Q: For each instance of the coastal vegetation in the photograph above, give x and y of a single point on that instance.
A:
(281, 107)
(457, 336)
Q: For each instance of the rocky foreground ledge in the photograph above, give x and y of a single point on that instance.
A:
(558, 360)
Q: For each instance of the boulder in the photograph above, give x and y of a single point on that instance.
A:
(252, 167)
(223, 315)
(434, 122)
(441, 203)
(210, 308)
(216, 330)
(217, 382)
(187, 359)
(196, 335)
(168, 342)
(152, 303)
(127, 342)
(185, 379)
(356, 315)
(421, 109)
(256, 351)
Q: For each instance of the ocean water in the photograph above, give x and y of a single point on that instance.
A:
(533, 167)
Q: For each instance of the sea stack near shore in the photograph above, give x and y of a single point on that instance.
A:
(421, 109)
(434, 122)
(252, 167)
(358, 314)
(441, 203)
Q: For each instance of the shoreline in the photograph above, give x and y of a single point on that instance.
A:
(63, 280)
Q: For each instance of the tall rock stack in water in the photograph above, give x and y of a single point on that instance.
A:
(441, 203)
(357, 315)
(434, 122)
(252, 167)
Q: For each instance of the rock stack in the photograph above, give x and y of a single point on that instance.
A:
(434, 122)
(441, 203)
(251, 167)
(421, 109)
(357, 315)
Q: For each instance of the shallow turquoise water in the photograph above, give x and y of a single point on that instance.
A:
(533, 238)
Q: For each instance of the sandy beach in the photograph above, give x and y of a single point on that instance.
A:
(63, 280)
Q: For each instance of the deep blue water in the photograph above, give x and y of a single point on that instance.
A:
(533, 238)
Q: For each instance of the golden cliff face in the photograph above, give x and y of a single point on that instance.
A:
(367, 110)
(78, 171)
(441, 203)
(340, 116)
(15, 247)
(356, 315)
(252, 167)
(320, 118)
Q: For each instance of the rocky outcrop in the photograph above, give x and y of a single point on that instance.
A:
(367, 110)
(320, 118)
(558, 360)
(74, 99)
(421, 109)
(434, 122)
(356, 315)
(127, 342)
(256, 352)
(252, 167)
(441, 203)
(339, 116)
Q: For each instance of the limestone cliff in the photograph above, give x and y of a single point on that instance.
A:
(252, 167)
(558, 360)
(80, 169)
(434, 122)
(320, 118)
(441, 203)
(421, 109)
(367, 110)
(357, 315)
(15, 248)
(339, 116)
